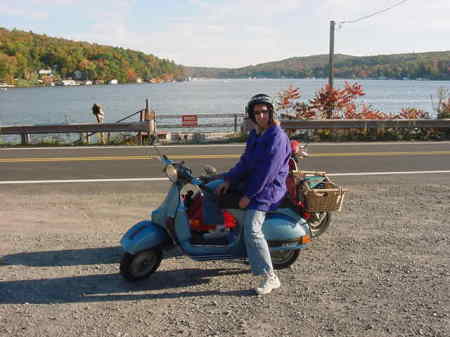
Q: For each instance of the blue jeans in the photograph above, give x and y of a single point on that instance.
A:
(255, 242)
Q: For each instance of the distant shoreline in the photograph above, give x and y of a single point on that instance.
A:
(9, 86)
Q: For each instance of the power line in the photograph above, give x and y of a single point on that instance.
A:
(373, 14)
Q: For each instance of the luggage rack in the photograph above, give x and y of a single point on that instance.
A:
(320, 193)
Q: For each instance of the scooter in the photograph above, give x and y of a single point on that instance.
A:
(172, 224)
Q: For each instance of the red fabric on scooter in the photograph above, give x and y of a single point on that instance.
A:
(293, 183)
(292, 188)
(229, 220)
(195, 216)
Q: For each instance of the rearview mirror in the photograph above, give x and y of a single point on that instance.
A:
(209, 170)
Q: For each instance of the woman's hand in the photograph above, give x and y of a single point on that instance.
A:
(222, 188)
(244, 202)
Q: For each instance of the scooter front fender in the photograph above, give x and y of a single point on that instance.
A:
(142, 236)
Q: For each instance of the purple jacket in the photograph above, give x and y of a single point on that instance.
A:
(264, 168)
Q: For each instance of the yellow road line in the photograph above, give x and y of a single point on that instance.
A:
(213, 156)
(381, 154)
(63, 159)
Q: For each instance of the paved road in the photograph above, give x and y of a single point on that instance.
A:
(76, 164)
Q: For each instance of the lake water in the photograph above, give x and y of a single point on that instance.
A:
(58, 105)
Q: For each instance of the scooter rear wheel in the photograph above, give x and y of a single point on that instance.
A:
(284, 258)
(319, 223)
(138, 266)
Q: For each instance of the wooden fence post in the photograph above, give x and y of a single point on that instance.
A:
(139, 134)
(85, 137)
(26, 138)
(150, 117)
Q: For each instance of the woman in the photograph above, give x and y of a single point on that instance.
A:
(260, 175)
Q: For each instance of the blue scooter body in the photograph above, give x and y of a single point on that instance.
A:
(283, 230)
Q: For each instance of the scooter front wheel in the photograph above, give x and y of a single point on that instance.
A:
(284, 258)
(138, 266)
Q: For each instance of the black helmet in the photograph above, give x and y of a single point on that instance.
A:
(259, 99)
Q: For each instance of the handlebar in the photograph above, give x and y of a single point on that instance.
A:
(185, 173)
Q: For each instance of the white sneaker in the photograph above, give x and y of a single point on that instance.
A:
(269, 282)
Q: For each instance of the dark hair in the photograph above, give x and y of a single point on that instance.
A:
(259, 99)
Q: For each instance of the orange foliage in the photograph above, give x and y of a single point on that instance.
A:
(131, 75)
(47, 80)
(369, 113)
(412, 113)
(444, 109)
(332, 103)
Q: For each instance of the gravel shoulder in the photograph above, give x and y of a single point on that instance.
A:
(382, 269)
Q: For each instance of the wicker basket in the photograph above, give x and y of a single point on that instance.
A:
(329, 197)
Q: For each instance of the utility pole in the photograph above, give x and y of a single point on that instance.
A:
(331, 60)
(331, 70)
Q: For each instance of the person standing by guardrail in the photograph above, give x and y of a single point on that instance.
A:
(100, 116)
(98, 113)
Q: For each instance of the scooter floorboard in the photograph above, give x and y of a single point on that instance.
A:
(197, 239)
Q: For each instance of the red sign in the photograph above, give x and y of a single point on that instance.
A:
(189, 120)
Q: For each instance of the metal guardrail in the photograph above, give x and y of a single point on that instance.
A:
(144, 126)
(85, 130)
(365, 123)
(320, 124)
(169, 116)
(74, 128)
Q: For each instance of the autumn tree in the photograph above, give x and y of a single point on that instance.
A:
(327, 103)
(23, 54)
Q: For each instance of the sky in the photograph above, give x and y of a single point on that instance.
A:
(233, 33)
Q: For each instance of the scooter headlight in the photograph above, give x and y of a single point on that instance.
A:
(171, 173)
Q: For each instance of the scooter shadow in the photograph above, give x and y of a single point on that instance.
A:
(112, 287)
(69, 257)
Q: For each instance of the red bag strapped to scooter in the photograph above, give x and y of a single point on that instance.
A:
(195, 214)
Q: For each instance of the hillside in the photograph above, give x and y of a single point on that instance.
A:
(431, 65)
(24, 54)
